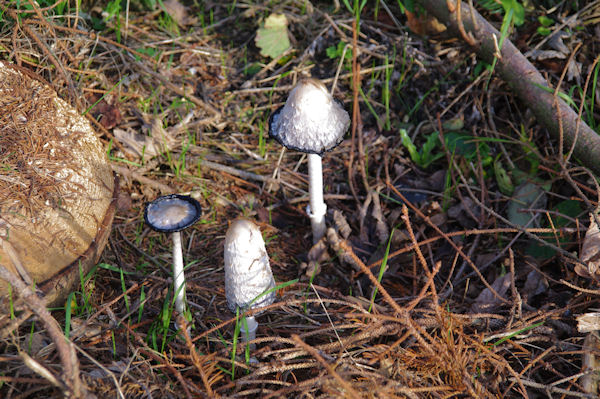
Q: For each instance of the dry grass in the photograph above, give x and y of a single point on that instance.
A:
(462, 310)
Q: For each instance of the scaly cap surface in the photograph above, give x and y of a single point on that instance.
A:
(311, 120)
(247, 270)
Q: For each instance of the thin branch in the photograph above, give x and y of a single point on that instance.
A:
(68, 357)
(523, 78)
(349, 391)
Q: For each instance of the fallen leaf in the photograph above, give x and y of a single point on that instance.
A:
(124, 202)
(460, 212)
(590, 252)
(335, 243)
(535, 284)
(574, 70)
(37, 342)
(107, 114)
(178, 12)
(316, 256)
(381, 227)
(424, 24)
(527, 195)
(590, 364)
(272, 39)
(341, 224)
(137, 144)
(556, 42)
(559, 50)
(439, 219)
(588, 322)
(486, 300)
(318, 252)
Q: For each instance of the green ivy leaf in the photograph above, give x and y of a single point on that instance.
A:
(545, 21)
(518, 10)
(542, 30)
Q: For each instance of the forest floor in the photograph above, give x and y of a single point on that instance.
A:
(454, 263)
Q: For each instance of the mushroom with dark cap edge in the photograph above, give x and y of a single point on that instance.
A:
(171, 214)
(311, 121)
(247, 271)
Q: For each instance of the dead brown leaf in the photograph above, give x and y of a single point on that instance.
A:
(591, 363)
(588, 322)
(107, 114)
(178, 12)
(590, 252)
(487, 301)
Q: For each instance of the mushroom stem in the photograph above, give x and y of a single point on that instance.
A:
(316, 209)
(250, 333)
(178, 277)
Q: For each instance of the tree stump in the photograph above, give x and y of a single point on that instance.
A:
(57, 189)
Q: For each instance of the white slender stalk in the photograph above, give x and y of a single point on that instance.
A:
(178, 277)
(316, 209)
(250, 333)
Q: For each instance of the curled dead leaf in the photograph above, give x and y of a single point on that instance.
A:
(487, 301)
(341, 224)
(590, 252)
(588, 322)
(590, 365)
(159, 141)
(107, 114)
(178, 12)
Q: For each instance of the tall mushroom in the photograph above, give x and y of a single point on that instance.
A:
(171, 214)
(247, 271)
(311, 121)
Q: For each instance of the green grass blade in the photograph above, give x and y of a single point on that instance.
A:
(68, 313)
(382, 268)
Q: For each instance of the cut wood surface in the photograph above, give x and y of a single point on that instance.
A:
(56, 189)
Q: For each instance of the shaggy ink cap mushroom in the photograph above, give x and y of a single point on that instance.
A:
(311, 120)
(172, 213)
(247, 270)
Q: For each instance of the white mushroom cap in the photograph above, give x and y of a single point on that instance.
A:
(311, 120)
(247, 270)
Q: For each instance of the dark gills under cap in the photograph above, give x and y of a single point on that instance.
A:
(172, 213)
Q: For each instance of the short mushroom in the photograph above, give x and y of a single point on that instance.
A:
(171, 214)
(247, 271)
(311, 121)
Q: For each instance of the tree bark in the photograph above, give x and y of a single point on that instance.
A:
(522, 77)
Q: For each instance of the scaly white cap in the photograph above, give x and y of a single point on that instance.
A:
(311, 120)
(247, 270)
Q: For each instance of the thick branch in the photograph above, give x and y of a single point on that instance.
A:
(523, 78)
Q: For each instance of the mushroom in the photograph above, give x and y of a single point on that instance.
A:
(171, 214)
(247, 271)
(311, 121)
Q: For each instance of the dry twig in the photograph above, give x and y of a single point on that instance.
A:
(66, 351)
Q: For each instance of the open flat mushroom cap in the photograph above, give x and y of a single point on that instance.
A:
(57, 188)
(311, 120)
(172, 213)
(247, 270)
